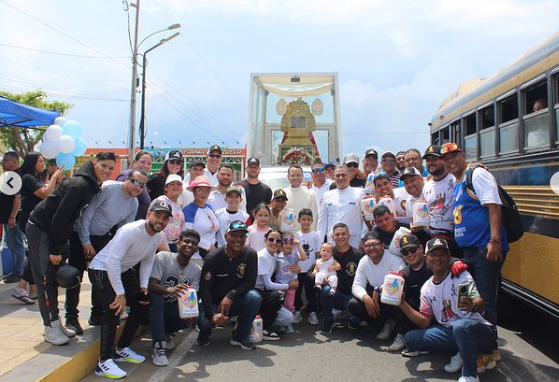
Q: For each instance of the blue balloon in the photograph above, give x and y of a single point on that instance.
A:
(67, 160)
(81, 147)
(72, 128)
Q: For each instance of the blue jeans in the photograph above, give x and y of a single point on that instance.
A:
(14, 241)
(486, 274)
(468, 336)
(164, 317)
(340, 302)
(245, 308)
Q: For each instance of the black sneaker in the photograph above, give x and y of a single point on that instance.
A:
(74, 324)
(95, 321)
(270, 335)
(12, 278)
(326, 328)
(202, 341)
(246, 345)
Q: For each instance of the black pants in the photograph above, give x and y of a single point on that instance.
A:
(106, 295)
(22, 219)
(357, 308)
(272, 301)
(306, 281)
(78, 260)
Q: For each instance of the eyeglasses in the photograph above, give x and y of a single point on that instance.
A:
(352, 164)
(408, 251)
(375, 245)
(380, 174)
(340, 175)
(317, 170)
(272, 240)
(288, 240)
(388, 160)
(174, 161)
(237, 225)
(449, 147)
(137, 182)
(215, 156)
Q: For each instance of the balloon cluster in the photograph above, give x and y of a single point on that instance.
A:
(62, 141)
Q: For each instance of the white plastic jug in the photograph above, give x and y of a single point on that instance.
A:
(188, 304)
(255, 334)
(420, 216)
(367, 206)
(395, 243)
(392, 289)
(388, 202)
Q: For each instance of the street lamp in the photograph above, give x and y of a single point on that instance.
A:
(144, 65)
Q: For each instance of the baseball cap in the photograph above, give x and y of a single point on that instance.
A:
(253, 160)
(448, 148)
(436, 243)
(197, 162)
(173, 154)
(279, 194)
(371, 152)
(330, 164)
(411, 171)
(215, 148)
(200, 181)
(371, 235)
(173, 178)
(433, 150)
(409, 241)
(388, 154)
(237, 225)
(233, 189)
(351, 158)
(161, 205)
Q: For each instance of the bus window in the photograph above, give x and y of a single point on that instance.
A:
(445, 135)
(435, 138)
(470, 122)
(508, 109)
(470, 141)
(456, 137)
(487, 117)
(508, 124)
(487, 132)
(557, 107)
(536, 123)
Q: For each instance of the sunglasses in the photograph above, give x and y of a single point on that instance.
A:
(380, 174)
(215, 156)
(272, 240)
(288, 240)
(137, 182)
(449, 147)
(376, 245)
(317, 170)
(388, 160)
(352, 165)
(174, 161)
(407, 252)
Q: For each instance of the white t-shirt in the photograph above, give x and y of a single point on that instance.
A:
(130, 245)
(486, 187)
(217, 201)
(319, 193)
(438, 195)
(373, 274)
(211, 177)
(225, 217)
(266, 268)
(439, 300)
(311, 244)
(167, 270)
(202, 220)
(255, 238)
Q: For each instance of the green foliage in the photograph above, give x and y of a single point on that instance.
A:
(23, 140)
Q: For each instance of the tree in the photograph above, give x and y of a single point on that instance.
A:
(24, 140)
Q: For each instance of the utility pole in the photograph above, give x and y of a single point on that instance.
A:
(132, 129)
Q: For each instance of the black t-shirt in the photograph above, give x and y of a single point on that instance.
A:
(387, 237)
(256, 193)
(225, 276)
(349, 261)
(29, 184)
(414, 280)
(6, 204)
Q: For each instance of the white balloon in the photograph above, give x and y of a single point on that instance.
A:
(60, 121)
(49, 149)
(53, 133)
(66, 144)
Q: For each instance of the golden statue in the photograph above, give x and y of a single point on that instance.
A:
(298, 146)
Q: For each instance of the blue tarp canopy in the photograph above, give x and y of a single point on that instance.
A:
(17, 114)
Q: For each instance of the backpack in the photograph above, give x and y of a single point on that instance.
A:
(510, 215)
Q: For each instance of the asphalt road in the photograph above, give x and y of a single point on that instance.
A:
(528, 355)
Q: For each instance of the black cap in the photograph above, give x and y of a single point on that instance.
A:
(279, 193)
(173, 154)
(215, 148)
(253, 160)
(371, 152)
(436, 243)
(433, 150)
(161, 205)
(197, 162)
(409, 241)
(52, 162)
(412, 171)
(237, 225)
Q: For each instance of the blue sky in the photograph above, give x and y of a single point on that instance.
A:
(396, 60)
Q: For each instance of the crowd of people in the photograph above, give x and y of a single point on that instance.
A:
(309, 250)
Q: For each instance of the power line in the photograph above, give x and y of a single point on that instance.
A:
(56, 53)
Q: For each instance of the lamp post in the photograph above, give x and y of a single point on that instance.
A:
(144, 65)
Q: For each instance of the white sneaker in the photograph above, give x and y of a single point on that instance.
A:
(455, 364)
(313, 319)
(54, 334)
(297, 317)
(67, 331)
(387, 329)
(109, 369)
(398, 344)
(128, 355)
(169, 344)
(468, 379)
(158, 354)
